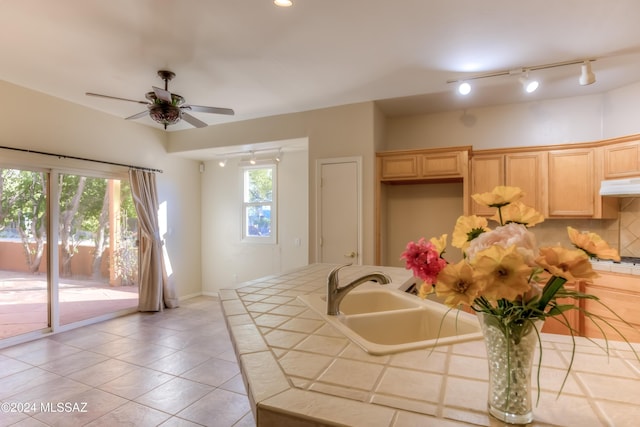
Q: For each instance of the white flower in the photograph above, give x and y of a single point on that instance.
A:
(506, 236)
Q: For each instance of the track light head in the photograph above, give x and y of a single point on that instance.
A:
(464, 88)
(586, 76)
(529, 85)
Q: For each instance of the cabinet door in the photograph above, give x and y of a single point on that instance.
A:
(399, 167)
(444, 165)
(528, 172)
(622, 160)
(620, 294)
(571, 186)
(487, 172)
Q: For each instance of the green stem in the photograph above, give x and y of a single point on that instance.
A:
(550, 289)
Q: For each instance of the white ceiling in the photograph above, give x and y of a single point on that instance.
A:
(262, 60)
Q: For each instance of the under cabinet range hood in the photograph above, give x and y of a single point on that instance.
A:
(629, 187)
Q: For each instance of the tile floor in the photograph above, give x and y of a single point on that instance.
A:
(174, 368)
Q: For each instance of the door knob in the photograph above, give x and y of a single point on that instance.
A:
(351, 254)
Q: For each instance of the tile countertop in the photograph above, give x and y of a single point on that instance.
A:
(300, 371)
(629, 268)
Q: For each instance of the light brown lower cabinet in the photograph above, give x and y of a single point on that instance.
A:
(619, 298)
(621, 294)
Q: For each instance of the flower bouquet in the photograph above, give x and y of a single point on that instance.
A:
(513, 286)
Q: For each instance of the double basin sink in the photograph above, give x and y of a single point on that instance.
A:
(385, 321)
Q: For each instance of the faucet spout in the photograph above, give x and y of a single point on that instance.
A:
(335, 293)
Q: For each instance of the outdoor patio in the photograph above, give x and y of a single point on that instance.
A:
(23, 301)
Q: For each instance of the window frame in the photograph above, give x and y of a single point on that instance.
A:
(273, 235)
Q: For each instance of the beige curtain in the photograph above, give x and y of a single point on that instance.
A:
(156, 290)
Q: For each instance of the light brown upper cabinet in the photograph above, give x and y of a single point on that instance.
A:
(451, 163)
(399, 167)
(574, 179)
(622, 160)
(526, 170)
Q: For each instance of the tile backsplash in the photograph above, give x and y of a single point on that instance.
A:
(622, 233)
(630, 226)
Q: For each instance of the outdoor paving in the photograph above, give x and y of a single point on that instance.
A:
(23, 301)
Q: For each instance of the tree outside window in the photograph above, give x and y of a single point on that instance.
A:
(259, 208)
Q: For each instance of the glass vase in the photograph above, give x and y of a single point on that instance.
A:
(510, 352)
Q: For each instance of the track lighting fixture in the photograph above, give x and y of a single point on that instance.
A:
(252, 157)
(586, 76)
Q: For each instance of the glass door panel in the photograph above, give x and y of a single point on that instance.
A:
(24, 295)
(98, 255)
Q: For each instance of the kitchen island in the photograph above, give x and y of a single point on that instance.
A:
(301, 371)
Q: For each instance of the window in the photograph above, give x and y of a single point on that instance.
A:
(259, 207)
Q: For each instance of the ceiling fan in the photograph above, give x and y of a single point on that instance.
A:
(168, 108)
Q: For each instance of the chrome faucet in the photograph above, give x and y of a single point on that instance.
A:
(335, 294)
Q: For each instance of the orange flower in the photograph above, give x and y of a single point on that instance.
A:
(568, 264)
(457, 285)
(519, 213)
(500, 196)
(502, 273)
(592, 245)
(468, 228)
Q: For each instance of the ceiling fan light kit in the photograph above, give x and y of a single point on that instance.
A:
(168, 108)
(165, 114)
(587, 76)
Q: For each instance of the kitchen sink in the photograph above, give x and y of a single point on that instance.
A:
(357, 302)
(386, 321)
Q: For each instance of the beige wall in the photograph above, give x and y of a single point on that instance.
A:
(34, 121)
(557, 121)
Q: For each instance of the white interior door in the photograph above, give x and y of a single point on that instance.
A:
(339, 211)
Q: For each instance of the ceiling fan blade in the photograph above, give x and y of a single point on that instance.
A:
(213, 110)
(193, 121)
(116, 98)
(137, 116)
(165, 95)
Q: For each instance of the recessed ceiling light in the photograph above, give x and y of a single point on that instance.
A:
(283, 3)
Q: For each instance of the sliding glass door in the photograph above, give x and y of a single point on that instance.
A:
(98, 256)
(95, 261)
(24, 295)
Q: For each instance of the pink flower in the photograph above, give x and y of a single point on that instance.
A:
(424, 260)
